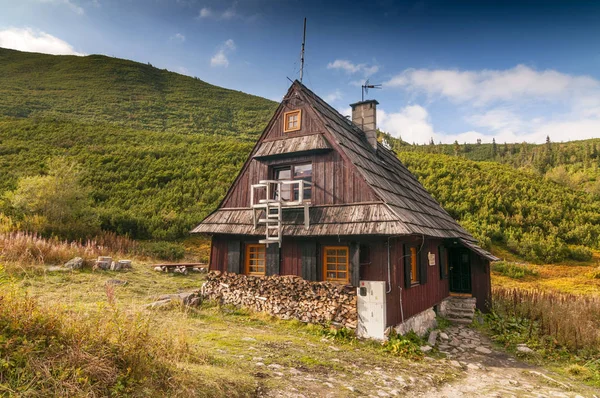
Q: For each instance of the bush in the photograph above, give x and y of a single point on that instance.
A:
(56, 204)
(407, 346)
(513, 270)
(162, 250)
(580, 253)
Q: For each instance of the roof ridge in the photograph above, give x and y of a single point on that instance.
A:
(389, 163)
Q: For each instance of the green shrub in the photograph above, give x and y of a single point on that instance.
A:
(513, 270)
(580, 253)
(162, 250)
(579, 371)
(407, 346)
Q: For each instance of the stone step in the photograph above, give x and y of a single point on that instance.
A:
(467, 312)
(454, 315)
(460, 308)
(460, 320)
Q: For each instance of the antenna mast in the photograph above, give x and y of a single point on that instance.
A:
(302, 54)
(367, 86)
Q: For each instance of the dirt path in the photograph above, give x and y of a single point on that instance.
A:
(473, 368)
(491, 373)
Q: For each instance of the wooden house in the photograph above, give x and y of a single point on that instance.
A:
(320, 198)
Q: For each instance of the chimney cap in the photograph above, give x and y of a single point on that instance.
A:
(364, 102)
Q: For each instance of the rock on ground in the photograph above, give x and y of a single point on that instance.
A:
(74, 263)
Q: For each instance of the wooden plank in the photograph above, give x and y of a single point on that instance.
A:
(309, 260)
(272, 260)
(234, 256)
(354, 263)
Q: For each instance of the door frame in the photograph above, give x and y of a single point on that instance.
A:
(459, 271)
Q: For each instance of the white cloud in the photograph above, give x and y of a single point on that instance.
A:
(179, 37)
(499, 119)
(335, 96)
(35, 41)
(229, 44)
(485, 86)
(411, 123)
(351, 68)
(69, 3)
(183, 70)
(205, 12)
(226, 14)
(220, 58)
(512, 105)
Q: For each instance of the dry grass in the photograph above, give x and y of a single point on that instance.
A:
(31, 249)
(51, 351)
(570, 321)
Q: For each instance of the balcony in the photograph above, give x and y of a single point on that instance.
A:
(273, 203)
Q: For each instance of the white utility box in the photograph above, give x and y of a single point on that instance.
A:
(370, 304)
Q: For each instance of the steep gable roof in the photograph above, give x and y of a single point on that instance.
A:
(392, 182)
(409, 208)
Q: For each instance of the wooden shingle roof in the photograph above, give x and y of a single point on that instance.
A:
(293, 145)
(404, 207)
(393, 183)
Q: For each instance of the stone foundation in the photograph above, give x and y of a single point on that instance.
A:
(419, 323)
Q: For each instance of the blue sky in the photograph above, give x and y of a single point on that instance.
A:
(512, 71)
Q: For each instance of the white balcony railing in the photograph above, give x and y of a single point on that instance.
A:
(267, 196)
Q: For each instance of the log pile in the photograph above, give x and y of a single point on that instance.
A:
(285, 296)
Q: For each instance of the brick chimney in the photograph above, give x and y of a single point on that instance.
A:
(364, 115)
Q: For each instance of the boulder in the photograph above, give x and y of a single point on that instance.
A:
(432, 337)
(483, 350)
(115, 266)
(125, 264)
(426, 348)
(74, 263)
(103, 265)
(523, 349)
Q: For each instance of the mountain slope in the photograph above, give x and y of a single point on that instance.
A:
(100, 89)
(538, 219)
(158, 149)
(575, 164)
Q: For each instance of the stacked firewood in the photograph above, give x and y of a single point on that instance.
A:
(286, 297)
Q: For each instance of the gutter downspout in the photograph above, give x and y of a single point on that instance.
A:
(389, 266)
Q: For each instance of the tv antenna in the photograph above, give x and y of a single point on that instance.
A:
(302, 53)
(367, 86)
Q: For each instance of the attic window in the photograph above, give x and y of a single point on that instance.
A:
(292, 121)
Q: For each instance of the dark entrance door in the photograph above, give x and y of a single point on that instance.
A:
(460, 270)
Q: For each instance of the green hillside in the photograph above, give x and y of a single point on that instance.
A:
(575, 164)
(538, 219)
(100, 89)
(158, 150)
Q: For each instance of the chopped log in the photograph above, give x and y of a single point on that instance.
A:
(285, 296)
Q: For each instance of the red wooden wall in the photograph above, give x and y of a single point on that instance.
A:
(414, 299)
(480, 282)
